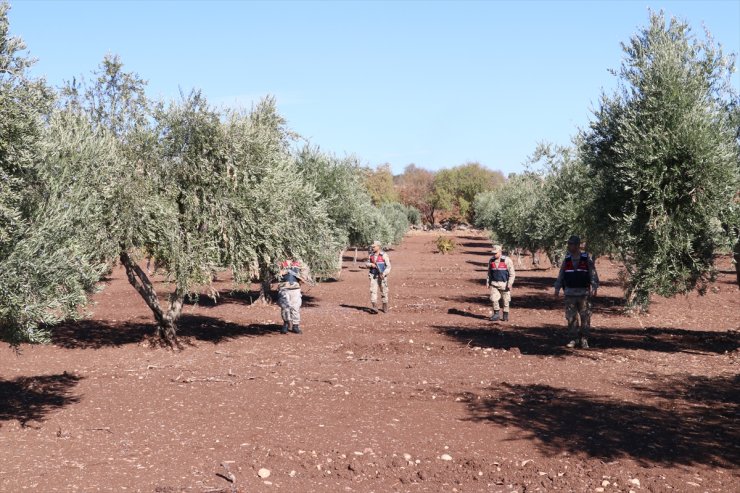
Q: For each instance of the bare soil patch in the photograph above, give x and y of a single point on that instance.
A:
(430, 397)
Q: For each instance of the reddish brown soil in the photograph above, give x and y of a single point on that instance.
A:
(653, 406)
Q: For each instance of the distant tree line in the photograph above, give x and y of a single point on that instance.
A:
(446, 194)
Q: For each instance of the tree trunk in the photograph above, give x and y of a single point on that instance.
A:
(166, 322)
(736, 257)
(341, 263)
(265, 281)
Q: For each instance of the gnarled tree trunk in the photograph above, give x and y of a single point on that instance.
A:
(736, 257)
(265, 283)
(166, 321)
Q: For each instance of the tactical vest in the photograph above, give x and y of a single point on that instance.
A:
(576, 275)
(292, 268)
(497, 270)
(378, 260)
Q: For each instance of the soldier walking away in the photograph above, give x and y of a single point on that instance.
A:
(580, 281)
(500, 279)
(289, 295)
(380, 267)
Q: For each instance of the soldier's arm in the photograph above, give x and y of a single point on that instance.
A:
(387, 265)
(512, 272)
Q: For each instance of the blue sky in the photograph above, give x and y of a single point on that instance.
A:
(431, 83)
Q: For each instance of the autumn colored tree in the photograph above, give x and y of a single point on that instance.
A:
(379, 183)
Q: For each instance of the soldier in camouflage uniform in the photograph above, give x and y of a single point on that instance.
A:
(580, 281)
(380, 267)
(500, 279)
(289, 295)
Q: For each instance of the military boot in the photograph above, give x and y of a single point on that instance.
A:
(495, 317)
(506, 317)
(297, 329)
(584, 343)
(284, 329)
(385, 307)
(374, 309)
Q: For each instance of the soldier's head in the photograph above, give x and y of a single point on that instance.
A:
(497, 251)
(574, 244)
(376, 246)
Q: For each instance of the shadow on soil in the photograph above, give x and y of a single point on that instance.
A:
(477, 244)
(93, 334)
(245, 298)
(548, 339)
(33, 398)
(463, 313)
(602, 305)
(365, 309)
(484, 253)
(694, 420)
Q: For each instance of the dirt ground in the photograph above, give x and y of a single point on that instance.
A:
(431, 397)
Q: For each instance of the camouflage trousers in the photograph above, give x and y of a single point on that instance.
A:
(290, 301)
(376, 283)
(578, 307)
(499, 295)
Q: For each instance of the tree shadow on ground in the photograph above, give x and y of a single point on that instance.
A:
(602, 305)
(535, 282)
(680, 431)
(463, 313)
(365, 309)
(33, 398)
(477, 244)
(478, 264)
(246, 298)
(214, 330)
(548, 339)
(95, 334)
(542, 341)
(485, 253)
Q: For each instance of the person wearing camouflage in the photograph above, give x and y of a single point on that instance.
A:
(500, 279)
(580, 281)
(380, 267)
(289, 295)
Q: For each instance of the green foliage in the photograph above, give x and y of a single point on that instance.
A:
(455, 189)
(115, 100)
(46, 268)
(663, 154)
(508, 212)
(340, 184)
(564, 203)
(379, 184)
(396, 215)
(278, 212)
(413, 215)
(445, 244)
(58, 254)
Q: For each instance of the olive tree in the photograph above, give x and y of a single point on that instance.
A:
(274, 210)
(663, 154)
(48, 263)
(508, 212)
(564, 203)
